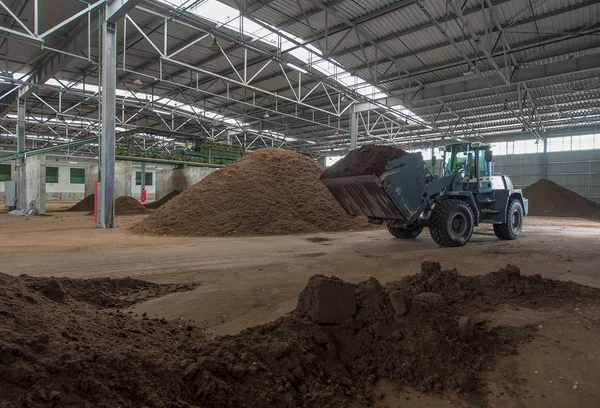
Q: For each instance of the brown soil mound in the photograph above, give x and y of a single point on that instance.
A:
(87, 204)
(101, 292)
(68, 353)
(159, 203)
(268, 192)
(421, 331)
(364, 161)
(546, 198)
(125, 205)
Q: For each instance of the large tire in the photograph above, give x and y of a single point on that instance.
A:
(451, 223)
(405, 233)
(513, 226)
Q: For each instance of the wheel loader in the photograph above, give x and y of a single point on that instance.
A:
(464, 193)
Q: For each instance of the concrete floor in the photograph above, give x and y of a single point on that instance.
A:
(248, 281)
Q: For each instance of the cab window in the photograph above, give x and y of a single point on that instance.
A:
(483, 165)
(460, 160)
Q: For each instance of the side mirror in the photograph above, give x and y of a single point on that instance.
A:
(488, 156)
(433, 160)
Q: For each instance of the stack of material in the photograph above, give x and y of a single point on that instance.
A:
(87, 204)
(268, 192)
(367, 160)
(159, 203)
(125, 205)
(546, 198)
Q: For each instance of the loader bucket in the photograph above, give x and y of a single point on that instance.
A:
(363, 195)
(397, 195)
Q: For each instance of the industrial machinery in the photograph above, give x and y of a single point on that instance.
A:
(462, 195)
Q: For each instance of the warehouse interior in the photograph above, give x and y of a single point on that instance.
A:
(174, 235)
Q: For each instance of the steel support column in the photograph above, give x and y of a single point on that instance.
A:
(21, 147)
(107, 157)
(545, 159)
(353, 128)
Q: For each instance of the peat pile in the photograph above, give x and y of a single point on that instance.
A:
(101, 292)
(267, 192)
(546, 198)
(159, 203)
(87, 204)
(420, 331)
(367, 160)
(126, 205)
(57, 349)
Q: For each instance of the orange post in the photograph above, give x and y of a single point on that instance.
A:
(96, 201)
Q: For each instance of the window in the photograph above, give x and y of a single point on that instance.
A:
(77, 176)
(4, 172)
(585, 142)
(138, 178)
(559, 144)
(51, 174)
(499, 149)
(459, 160)
(484, 169)
(578, 142)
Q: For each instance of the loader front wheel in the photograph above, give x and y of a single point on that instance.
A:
(451, 223)
(513, 226)
(406, 233)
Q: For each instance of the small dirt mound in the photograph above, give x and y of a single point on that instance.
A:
(102, 292)
(268, 192)
(317, 239)
(87, 204)
(364, 161)
(159, 203)
(75, 354)
(546, 198)
(125, 205)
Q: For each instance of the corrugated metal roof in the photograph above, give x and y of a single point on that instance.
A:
(421, 54)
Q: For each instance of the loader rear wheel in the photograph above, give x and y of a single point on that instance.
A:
(513, 226)
(405, 233)
(451, 223)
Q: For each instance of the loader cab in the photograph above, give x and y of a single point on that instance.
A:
(472, 162)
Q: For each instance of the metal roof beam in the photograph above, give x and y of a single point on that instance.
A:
(561, 68)
(458, 40)
(116, 9)
(520, 47)
(74, 45)
(378, 104)
(460, 61)
(309, 13)
(258, 5)
(412, 30)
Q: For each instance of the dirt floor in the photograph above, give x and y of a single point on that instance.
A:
(248, 281)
